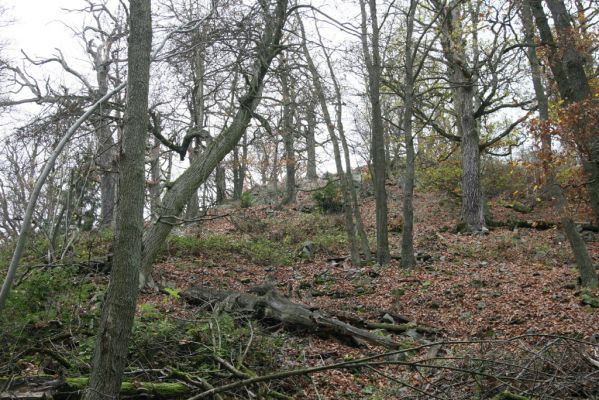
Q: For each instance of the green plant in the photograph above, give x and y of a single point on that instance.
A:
(328, 199)
(246, 200)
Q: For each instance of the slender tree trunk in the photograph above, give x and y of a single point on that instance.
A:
(355, 203)
(110, 355)
(311, 174)
(220, 178)
(155, 176)
(584, 262)
(198, 172)
(541, 96)
(198, 66)
(288, 134)
(344, 176)
(373, 66)
(106, 153)
(407, 240)
(239, 168)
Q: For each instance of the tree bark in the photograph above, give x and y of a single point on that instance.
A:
(309, 134)
(373, 65)
(541, 96)
(462, 80)
(407, 239)
(288, 133)
(110, 355)
(198, 172)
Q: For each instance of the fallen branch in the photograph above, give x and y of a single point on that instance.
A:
(268, 304)
(48, 387)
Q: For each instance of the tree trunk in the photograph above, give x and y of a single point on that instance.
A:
(542, 99)
(344, 176)
(311, 174)
(567, 68)
(187, 183)
(355, 203)
(373, 66)
(220, 178)
(288, 134)
(407, 239)
(462, 80)
(107, 154)
(110, 355)
(584, 262)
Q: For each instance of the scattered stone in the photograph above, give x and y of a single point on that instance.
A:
(478, 283)
(389, 319)
(588, 236)
(465, 316)
(306, 252)
(559, 238)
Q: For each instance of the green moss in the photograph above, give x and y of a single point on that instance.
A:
(161, 390)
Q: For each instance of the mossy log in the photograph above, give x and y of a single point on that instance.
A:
(50, 387)
(518, 223)
(268, 304)
(505, 395)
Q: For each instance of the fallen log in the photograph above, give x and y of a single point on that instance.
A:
(51, 387)
(270, 305)
(518, 223)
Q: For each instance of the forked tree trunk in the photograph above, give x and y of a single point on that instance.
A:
(112, 341)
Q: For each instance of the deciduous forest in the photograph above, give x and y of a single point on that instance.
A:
(274, 199)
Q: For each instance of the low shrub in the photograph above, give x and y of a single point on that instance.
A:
(329, 199)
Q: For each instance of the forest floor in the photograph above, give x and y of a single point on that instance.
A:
(505, 304)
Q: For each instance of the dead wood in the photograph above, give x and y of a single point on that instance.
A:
(270, 305)
(51, 387)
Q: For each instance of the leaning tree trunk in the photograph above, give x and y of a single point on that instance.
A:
(355, 203)
(344, 176)
(198, 172)
(116, 322)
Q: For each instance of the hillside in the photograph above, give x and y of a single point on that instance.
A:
(505, 305)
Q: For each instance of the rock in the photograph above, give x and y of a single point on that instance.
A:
(483, 264)
(389, 319)
(560, 237)
(588, 236)
(503, 268)
(306, 252)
